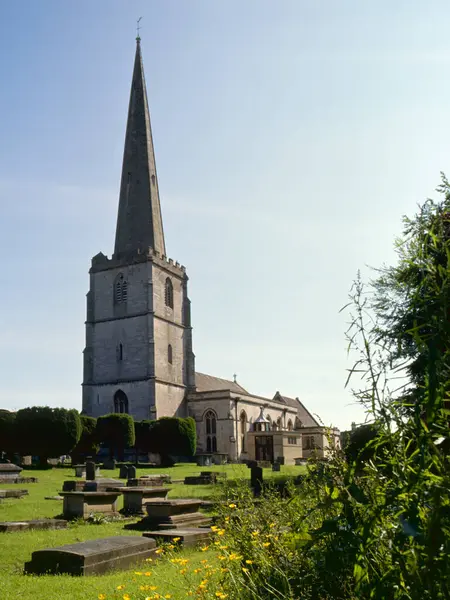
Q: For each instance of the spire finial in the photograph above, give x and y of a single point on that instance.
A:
(138, 28)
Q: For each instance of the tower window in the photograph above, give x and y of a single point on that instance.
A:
(120, 290)
(120, 402)
(120, 352)
(169, 354)
(153, 179)
(129, 178)
(168, 296)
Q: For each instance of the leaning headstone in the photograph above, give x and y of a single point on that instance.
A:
(93, 557)
(90, 470)
(131, 472)
(123, 474)
(256, 479)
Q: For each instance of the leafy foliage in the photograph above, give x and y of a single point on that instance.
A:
(46, 432)
(117, 432)
(7, 431)
(88, 444)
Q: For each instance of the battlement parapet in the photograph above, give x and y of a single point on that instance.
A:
(101, 262)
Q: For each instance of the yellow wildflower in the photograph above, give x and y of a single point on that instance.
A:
(137, 573)
(170, 546)
(223, 547)
(266, 544)
(204, 548)
(183, 571)
(102, 597)
(245, 570)
(120, 587)
(214, 528)
(221, 557)
(221, 532)
(168, 596)
(204, 561)
(149, 559)
(272, 525)
(255, 533)
(197, 570)
(221, 595)
(227, 519)
(176, 539)
(249, 562)
(126, 597)
(223, 570)
(232, 505)
(234, 556)
(159, 551)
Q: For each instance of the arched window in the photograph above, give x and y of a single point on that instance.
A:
(169, 293)
(120, 352)
(120, 290)
(120, 402)
(169, 354)
(279, 424)
(243, 421)
(268, 417)
(298, 423)
(211, 429)
(289, 425)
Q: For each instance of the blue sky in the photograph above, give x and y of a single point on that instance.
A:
(290, 138)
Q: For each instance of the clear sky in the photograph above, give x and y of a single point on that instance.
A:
(290, 138)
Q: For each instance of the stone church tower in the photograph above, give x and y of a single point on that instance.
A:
(138, 356)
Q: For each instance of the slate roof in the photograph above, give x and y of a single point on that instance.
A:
(208, 383)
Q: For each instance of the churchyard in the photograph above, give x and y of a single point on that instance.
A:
(43, 502)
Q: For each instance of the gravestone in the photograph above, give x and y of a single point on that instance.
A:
(93, 557)
(256, 479)
(276, 467)
(131, 472)
(90, 470)
(99, 485)
(123, 474)
(109, 464)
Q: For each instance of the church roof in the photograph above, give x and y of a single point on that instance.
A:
(139, 220)
(208, 383)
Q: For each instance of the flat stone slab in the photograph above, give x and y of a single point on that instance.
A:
(11, 526)
(149, 480)
(92, 557)
(102, 484)
(82, 504)
(166, 508)
(189, 536)
(53, 498)
(18, 480)
(13, 493)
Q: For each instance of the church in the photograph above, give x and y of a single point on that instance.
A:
(138, 357)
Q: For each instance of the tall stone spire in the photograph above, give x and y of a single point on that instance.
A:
(139, 221)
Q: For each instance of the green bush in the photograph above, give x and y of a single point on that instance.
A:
(7, 432)
(145, 441)
(116, 431)
(88, 444)
(47, 432)
(358, 447)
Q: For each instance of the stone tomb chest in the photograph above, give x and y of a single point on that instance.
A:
(92, 557)
(82, 504)
(9, 472)
(135, 498)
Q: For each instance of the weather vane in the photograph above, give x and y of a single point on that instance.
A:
(138, 27)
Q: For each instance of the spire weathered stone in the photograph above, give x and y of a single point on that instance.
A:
(139, 220)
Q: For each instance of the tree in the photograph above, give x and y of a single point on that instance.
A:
(358, 447)
(117, 432)
(88, 444)
(174, 436)
(412, 299)
(7, 432)
(47, 432)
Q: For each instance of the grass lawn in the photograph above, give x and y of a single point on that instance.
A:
(16, 548)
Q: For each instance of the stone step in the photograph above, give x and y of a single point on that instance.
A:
(92, 557)
(189, 536)
(11, 526)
